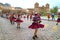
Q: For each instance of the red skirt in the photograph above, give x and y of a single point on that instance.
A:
(19, 21)
(36, 26)
(13, 19)
(58, 20)
(24, 16)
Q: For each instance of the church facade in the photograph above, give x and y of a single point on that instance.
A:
(38, 8)
(29, 10)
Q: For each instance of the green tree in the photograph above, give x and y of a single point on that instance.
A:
(43, 13)
(51, 10)
(55, 10)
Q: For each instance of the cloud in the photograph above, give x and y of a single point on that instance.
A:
(30, 3)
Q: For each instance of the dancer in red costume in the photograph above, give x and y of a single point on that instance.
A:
(12, 18)
(36, 24)
(18, 21)
(24, 16)
(30, 16)
(58, 20)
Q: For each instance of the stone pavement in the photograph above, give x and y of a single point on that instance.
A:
(45, 18)
(9, 32)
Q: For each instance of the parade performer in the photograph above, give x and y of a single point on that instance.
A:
(30, 16)
(12, 18)
(36, 24)
(27, 16)
(58, 20)
(24, 16)
(18, 21)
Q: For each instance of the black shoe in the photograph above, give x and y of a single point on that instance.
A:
(57, 24)
(19, 27)
(36, 36)
(33, 37)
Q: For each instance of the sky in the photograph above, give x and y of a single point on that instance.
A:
(30, 3)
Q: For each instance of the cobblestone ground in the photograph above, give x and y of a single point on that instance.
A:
(9, 32)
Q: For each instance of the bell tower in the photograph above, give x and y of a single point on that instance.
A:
(36, 5)
(47, 5)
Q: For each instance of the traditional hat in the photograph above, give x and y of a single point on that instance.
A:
(36, 13)
(58, 10)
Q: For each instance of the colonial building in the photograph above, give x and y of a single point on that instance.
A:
(8, 8)
(38, 8)
(5, 8)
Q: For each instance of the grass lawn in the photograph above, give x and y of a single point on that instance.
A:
(56, 16)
